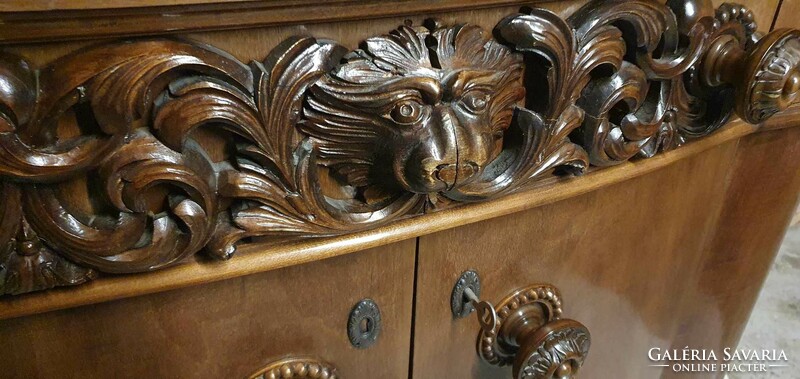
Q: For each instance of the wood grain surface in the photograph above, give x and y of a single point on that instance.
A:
(42, 21)
(669, 251)
(622, 256)
(227, 329)
(164, 148)
(787, 16)
(758, 205)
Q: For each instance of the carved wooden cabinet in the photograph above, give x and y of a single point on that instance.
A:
(365, 189)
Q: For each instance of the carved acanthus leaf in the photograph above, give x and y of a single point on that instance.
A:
(129, 157)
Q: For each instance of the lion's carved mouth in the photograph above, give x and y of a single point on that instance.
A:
(451, 174)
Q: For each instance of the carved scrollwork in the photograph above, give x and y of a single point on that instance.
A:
(128, 157)
(26, 262)
(626, 70)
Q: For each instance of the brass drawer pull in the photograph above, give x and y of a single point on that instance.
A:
(296, 368)
(524, 329)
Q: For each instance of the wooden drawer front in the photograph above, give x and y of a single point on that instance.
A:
(621, 256)
(227, 329)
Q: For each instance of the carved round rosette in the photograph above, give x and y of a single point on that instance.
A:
(556, 350)
(770, 80)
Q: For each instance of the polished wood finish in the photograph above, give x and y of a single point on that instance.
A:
(40, 21)
(256, 258)
(228, 329)
(787, 15)
(621, 255)
(61, 5)
(757, 208)
(131, 157)
(317, 141)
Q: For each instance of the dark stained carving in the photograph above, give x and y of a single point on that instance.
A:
(129, 157)
(26, 263)
(417, 111)
(622, 64)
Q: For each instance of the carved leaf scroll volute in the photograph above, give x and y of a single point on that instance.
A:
(26, 263)
(607, 67)
(132, 156)
(108, 92)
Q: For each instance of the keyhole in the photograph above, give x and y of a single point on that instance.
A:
(365, 325)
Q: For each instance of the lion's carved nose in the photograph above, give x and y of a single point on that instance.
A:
(453, 173)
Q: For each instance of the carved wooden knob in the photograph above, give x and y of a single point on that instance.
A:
(766, 74)
(524, 329)
(296, 368)
(770, 80)
(555, 350)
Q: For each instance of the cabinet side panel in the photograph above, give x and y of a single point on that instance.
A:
(759, 204)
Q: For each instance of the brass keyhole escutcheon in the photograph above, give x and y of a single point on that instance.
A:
(364, 324)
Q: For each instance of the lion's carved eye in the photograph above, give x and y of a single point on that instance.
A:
(408, 111)
(476, 101)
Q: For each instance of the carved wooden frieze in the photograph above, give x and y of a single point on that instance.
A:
(131, 156)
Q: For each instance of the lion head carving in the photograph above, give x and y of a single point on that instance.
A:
(420, 110)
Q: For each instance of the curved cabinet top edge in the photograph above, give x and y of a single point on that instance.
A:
(62, 5)
(257, 258)
(38, 22)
